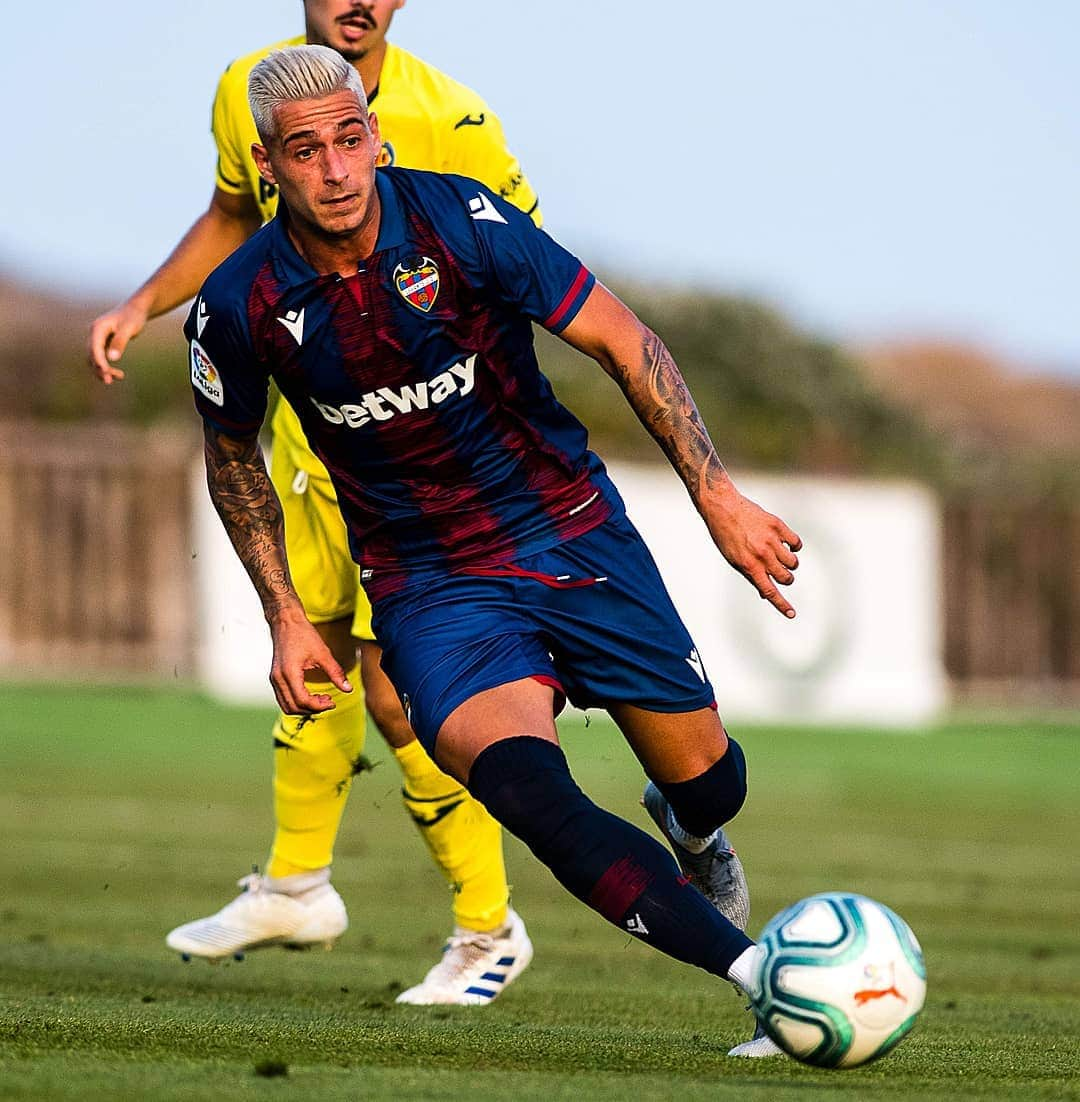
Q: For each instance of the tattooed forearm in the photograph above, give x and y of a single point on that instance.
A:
(245, 499)
(659, 396)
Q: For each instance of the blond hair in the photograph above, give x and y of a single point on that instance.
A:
(298, 73)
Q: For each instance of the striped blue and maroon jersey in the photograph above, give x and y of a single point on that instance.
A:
(415, 379)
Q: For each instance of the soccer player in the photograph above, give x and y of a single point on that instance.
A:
(428, 121)
(394, 311)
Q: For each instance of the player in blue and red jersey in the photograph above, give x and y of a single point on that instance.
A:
(395, 315)
(453, 364)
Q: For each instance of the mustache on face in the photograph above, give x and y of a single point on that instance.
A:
(361, 14)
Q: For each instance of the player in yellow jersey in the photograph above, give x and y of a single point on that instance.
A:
(428, 121)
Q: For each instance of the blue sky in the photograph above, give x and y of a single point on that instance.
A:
(876, 168)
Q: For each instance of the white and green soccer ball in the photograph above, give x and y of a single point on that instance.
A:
(838, 980)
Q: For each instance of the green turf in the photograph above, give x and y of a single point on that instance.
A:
(123, 813)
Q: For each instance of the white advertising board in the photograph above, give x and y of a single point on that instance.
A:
(234, 652)
(866, 644)
(864, 648)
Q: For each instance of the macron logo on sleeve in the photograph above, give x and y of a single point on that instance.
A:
(695, 663)
(482, 209)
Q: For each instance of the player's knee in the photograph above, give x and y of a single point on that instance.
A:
(526, 785)
(713, 798)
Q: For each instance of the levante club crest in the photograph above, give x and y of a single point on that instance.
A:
(418, 282)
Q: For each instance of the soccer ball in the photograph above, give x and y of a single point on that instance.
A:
(838, 980)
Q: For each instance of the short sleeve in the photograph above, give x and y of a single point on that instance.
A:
(229, 384)
(477, 147)
(231, 174)
(527, 267)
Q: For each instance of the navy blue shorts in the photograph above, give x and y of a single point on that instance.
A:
(591, 617)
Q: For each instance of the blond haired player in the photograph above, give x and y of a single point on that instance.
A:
(428, 121)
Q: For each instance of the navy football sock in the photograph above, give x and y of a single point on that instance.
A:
(711, 799)
(618, 870)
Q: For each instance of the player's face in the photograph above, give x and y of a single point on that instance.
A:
(323, 161)
(352, 27)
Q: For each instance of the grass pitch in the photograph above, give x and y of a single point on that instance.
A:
(123, 813)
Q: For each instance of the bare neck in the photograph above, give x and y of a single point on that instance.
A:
(370, 67)
(329, 254)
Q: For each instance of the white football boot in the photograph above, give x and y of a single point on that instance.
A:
(475, 967)
(292, 911)
(715, 871)
(761, 1044)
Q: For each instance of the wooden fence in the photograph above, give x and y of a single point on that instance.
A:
(95, 567)
(1011, 578)
(96, 575)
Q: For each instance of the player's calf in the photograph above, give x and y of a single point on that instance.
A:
(616, 869)
(690, 815)
(705, 803)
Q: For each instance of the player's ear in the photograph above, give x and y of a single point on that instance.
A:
(262, 162)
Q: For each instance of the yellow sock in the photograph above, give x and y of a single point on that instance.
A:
(463, 838)
(315, 758)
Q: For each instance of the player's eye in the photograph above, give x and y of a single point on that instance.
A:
(305, 154)
(351, 142)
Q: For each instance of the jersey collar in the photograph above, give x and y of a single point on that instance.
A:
(292, 269)
(391, 216)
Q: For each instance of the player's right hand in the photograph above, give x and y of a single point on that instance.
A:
(299, 649)
(757, 544)
(109, 336)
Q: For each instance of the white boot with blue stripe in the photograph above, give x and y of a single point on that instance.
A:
(476, 967)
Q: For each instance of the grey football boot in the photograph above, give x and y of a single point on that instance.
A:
(716, 872)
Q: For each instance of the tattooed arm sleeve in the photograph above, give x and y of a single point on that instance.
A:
(249, 508)
(656, 390)
(636, 358)
(756, 543)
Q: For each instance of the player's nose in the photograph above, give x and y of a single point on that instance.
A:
(335, 167)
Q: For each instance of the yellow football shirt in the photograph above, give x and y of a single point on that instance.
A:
(428, 121)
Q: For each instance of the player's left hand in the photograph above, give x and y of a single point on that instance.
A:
(109, 335)
(299, 649)
(758, 545)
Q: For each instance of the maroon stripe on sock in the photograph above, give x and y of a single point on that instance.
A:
(619, 888)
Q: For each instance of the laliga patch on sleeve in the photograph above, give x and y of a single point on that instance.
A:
(204, 376)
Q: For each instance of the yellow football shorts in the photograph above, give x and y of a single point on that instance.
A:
(326, 578)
